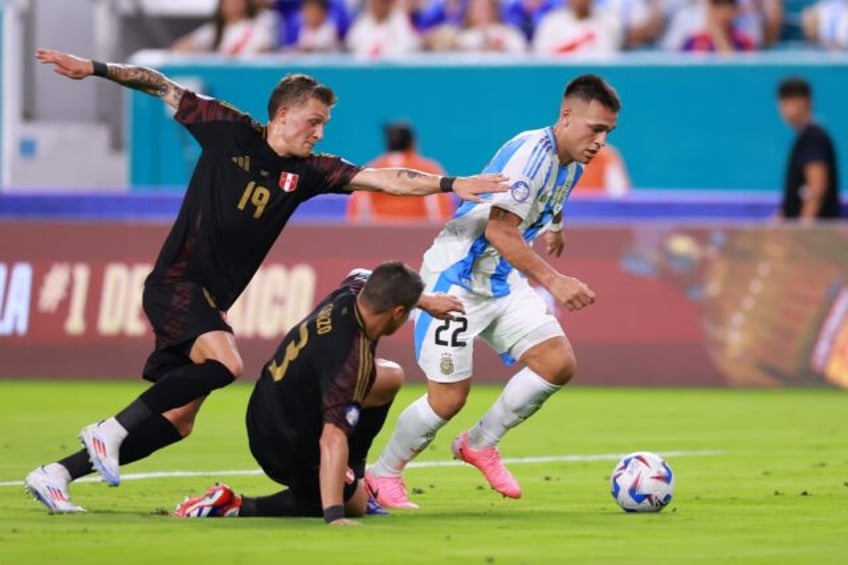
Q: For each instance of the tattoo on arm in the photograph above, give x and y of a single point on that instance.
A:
(410, 174)
(146, 80)
(499, 214)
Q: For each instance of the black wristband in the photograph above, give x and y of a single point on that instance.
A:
(100, 68)
(333, 513)
(446, 184)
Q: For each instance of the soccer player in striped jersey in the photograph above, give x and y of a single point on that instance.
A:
(484, 257)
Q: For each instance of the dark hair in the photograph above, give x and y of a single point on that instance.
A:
(392, 284)
(296, 89)
(593, 87)
(794, 87)
(323, 4)
(251, 11)
(399, 136)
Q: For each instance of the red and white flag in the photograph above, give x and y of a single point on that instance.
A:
(288, 181)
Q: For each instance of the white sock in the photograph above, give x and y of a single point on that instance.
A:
(114, 431)
(521, 397)
(415, 429)
(58, 470)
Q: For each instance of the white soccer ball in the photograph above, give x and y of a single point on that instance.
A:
(642, 482)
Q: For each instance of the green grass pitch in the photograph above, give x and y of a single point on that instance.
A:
(773, 490)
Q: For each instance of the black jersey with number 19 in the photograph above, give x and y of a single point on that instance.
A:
(238, 200)
(321, 372)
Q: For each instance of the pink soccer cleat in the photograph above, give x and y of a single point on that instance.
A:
(389, 492)
(488, 460)
(217, 502)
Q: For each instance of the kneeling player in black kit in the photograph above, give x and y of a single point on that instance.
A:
(322, 399)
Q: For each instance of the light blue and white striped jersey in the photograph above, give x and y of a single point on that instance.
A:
(540, 185)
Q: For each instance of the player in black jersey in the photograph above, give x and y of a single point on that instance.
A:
(248, 182)
(322, 399)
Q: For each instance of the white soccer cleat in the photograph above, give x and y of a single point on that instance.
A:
(103, 449)
(51, 489)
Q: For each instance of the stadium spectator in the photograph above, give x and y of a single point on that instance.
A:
(237, 28)
(720, 33)
(317, 32)
(480, 257)
(526, 14)
(579, 28)
(641, 20)
(248, 181)
(290, 19)
(760, 20)
(826, 23)
(383, 30)
(314, 413)
(811, 189)
(605, 174)
(369, 207)
(483, 30)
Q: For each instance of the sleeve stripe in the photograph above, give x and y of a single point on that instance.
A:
(546, 147)
(364, 371)
(535, 155)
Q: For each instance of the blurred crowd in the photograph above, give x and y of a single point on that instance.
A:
(390, 28)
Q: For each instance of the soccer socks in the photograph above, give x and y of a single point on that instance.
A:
(522, 396)
(370, 423)
(416, 427)
(177, 388)
(280, 504)
(151, 435)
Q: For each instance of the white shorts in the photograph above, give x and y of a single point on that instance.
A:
(510, 325)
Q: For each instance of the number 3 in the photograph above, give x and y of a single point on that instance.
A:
(454, 336)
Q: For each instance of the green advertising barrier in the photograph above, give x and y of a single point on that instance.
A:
(686, 123)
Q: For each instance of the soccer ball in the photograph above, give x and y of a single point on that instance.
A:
(642, 482)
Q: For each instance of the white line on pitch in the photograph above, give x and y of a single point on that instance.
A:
(412, 465)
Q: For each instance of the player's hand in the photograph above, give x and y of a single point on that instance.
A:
(554, 243)
(345, 522)
(65, 64)
(573, 293)
(441, 306)
(470, 188)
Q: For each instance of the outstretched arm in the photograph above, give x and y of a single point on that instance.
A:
(409, 182)
(138, 78)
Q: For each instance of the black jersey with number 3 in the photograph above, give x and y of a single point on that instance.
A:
(239, 198)
(321, 372)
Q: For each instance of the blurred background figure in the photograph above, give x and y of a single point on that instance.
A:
(369, 207)
(719, 33)
(481, 30)
(826, 23)
(811, 190)
(383, 29)
(605, 174)
(238, 27)
(581, 28)
(526, 14)
(317, 32)
(641, 20)
(292, 16)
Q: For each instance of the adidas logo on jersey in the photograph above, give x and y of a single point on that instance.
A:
(243, 162)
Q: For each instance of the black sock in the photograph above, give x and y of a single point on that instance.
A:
(151, 435)
(182, 385)
(283, 503)
(370, 423)
(78, 464)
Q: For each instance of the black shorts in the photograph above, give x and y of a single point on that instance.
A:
(179, 313)
(279, 462)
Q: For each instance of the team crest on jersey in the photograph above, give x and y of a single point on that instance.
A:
(520, 191)
(288, 181)
(446, 364)
(352, 415)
